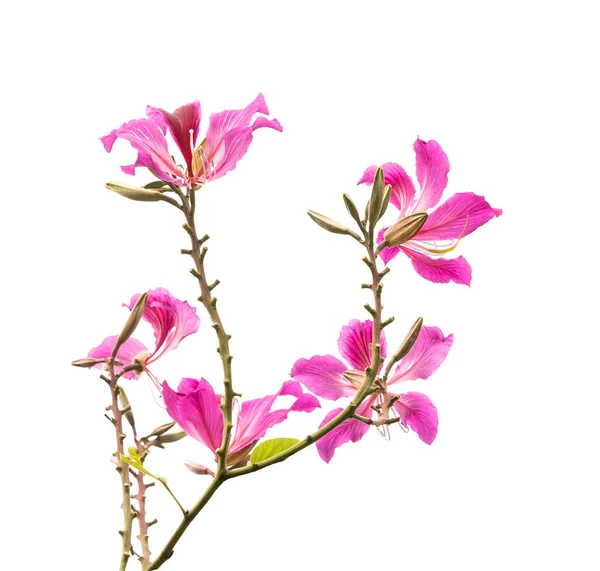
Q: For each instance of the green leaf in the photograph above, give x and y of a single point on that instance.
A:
(270, 448)
(135, 463)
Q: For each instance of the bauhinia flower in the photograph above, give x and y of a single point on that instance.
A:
(445, 226)
(330, 378)
(197, 410)
(172, 321)
(227, 139)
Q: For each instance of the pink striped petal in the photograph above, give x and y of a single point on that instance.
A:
(425, 357)
(355, 341)
(235, 145)
(171, 319)
(183, 124)
(126, 354)
(149, 140)
(460, 215)
(440, 270)
(432, 173)
(229, 135)
(386, 254)
(323, 376)
(256, 417)
(403, 189)
(419, 413)
(350, 430)
(196, 409)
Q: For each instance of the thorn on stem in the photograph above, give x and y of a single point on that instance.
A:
(186, 252)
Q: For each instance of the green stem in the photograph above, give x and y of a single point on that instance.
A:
(123, 470)
(364, 391)
(210, 303)
(189, 516)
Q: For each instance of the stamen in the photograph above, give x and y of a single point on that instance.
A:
(155, 390)
(442, 250)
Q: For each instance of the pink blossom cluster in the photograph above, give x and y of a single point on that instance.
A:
(194, 404)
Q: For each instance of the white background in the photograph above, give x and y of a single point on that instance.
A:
(508, 89)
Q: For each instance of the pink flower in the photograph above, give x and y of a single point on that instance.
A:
(172, 321)
(197, 410)
(460, 215)
(330, 378)
(227, 139)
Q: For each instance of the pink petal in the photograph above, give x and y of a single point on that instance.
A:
(148, 139)
(323, 376)
(460, 215)
(171, 319)
(256, 417)
(350, 430)
(126, 354)
(196, 409)
(355, 341)
(229, 135)
(235, 145)
(403, 189)
(440, 270)
(418, 412)
(386, 254)
(183, 124)
(425, 357)
(432, 173)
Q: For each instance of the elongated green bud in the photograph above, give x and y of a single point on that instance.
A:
(87, 362)
(404, 229)
(409, 341)
(132, 322)
(126, 407)
(356, 377)
(376, 200)
(331, 225)
(160, 430)
(171, 437)
(140, 194)
(352, 210)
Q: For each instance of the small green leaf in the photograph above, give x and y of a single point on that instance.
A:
(270, 448)
(139, 466)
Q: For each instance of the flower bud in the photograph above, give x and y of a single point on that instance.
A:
(405, 229)
(132, 322)
(140, 194)
(331, 225)
(356, 377)
(87, 363)
(409, 341)
(198, 468)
